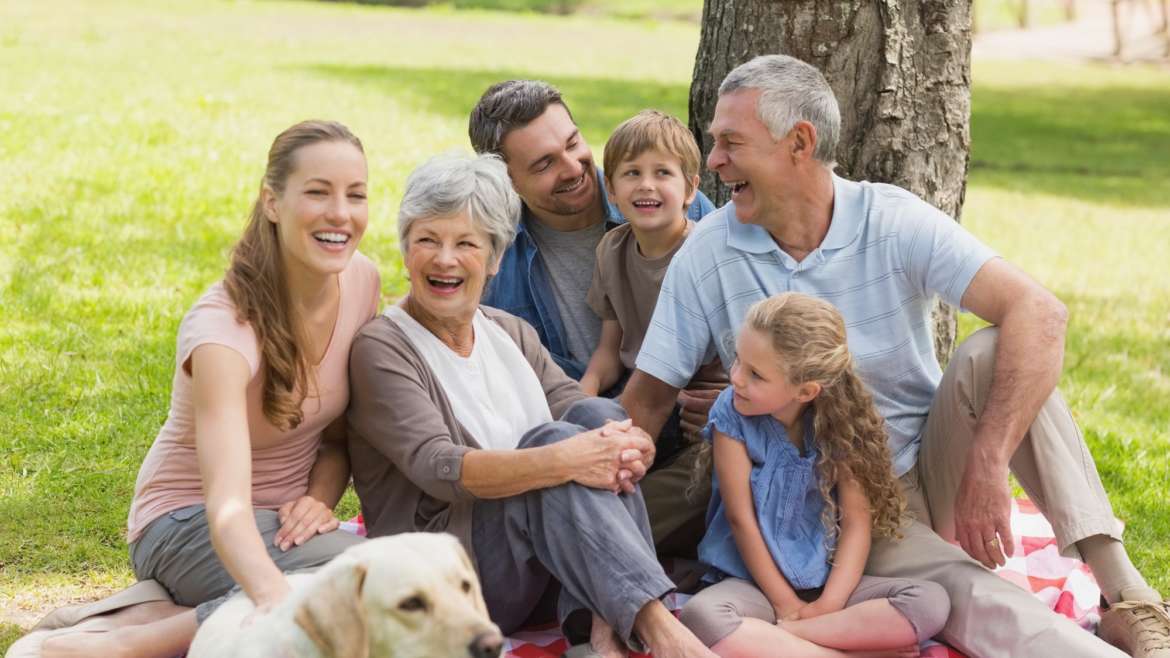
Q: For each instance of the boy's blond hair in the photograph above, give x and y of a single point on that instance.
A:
(650, 129)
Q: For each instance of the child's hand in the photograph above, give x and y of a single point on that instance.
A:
(788, 610)
(821, 606)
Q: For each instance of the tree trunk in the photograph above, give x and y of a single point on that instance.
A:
(901, 70)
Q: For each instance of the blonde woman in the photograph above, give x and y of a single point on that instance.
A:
(240, 482)
(803, 479)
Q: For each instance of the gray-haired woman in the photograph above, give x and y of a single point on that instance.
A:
(452, 430)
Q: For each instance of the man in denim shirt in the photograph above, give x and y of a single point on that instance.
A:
(547, 270)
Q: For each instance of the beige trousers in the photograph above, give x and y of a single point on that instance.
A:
(991, 617)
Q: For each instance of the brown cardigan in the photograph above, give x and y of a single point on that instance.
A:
(406, 446)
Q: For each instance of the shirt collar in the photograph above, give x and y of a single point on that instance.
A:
(848, 211)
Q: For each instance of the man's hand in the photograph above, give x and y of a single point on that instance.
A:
(983, 512)
(611, 457)
(302, 518)
(695, 405)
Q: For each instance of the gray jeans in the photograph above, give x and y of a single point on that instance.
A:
(176, 551)
(596, 544)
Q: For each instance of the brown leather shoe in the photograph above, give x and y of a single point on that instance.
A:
(1139, 625)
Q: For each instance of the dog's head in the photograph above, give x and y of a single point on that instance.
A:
(406, 596)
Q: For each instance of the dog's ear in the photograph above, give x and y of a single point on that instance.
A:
(332, 613)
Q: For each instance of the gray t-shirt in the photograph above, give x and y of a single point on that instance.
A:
(569, 257)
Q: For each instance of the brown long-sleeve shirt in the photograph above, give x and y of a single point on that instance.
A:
(406, 446)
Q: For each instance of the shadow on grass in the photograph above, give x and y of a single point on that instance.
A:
(1105, 145)
(598, 104)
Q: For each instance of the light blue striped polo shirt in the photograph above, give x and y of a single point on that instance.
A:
(886, 256)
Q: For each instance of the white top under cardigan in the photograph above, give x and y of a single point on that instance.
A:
(494, 393)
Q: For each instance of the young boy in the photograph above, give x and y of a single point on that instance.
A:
(652, 175)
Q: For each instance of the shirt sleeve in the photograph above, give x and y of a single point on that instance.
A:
(391, 408)
(212, 321)
(678, 341)
(938, 254)
(724, 418)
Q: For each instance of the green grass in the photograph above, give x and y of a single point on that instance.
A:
(132, 138)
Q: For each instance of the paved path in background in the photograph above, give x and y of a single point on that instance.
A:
(1090, 37)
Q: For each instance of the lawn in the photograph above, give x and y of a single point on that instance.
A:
(132, 139)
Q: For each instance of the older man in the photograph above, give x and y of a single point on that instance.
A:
(547, 270)
(881, 255)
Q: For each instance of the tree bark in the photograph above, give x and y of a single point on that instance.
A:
(901, 71)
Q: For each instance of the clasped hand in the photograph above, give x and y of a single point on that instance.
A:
(614, 457)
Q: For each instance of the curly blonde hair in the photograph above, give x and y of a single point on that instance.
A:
(808, 336)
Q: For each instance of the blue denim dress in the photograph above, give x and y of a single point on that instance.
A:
(787, 498)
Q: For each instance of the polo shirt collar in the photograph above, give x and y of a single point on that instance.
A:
(848, 211)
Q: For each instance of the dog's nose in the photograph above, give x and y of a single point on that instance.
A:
(486, 645)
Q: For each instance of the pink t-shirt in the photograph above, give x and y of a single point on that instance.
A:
(281, 460)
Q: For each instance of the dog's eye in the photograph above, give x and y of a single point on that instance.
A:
(413, 604)
(466, 586)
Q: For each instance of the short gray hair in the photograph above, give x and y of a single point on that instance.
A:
(449, 184)
(790, 91)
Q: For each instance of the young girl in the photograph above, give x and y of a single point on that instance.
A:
(802, 480)
(241, 480)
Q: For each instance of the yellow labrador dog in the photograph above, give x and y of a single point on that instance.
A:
(413, 595)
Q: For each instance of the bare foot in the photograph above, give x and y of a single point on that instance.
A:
(605, 642)
(667, 637)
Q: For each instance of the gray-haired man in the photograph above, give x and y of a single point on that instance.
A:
(882, 255)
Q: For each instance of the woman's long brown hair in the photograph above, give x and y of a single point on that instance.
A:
(258, 285)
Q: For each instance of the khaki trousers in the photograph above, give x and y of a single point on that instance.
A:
(991, 617)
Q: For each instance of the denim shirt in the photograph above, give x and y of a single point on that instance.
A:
(522, 285)
(786, 494)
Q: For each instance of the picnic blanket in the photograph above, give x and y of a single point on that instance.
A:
(1064, 584)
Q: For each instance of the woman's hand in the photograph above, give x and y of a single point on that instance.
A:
(611, 457)
(300, 519)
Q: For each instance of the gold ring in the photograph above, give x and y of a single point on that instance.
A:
(994, 541)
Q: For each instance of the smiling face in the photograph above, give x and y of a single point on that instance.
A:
(747, 158)
(448, 260)
(551, 166)
(761, 385)
(651, 190)
(321, 213)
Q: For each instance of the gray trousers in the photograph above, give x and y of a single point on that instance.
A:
(717, 611)
(594, 543)
(176, 551)
(991, 617)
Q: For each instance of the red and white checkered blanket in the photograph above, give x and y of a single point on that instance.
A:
(1064, 584)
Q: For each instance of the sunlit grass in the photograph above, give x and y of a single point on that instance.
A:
(132, 138)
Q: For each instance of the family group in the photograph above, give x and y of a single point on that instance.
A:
(595, 369)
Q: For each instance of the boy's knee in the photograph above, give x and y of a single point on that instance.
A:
(925, 605)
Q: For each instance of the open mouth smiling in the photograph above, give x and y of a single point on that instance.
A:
(445, 284)
(571, 186)
(332, 238)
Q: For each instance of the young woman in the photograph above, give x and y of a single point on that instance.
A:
(802, 480)
(240, 483)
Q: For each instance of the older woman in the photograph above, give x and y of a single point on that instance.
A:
(452, 429)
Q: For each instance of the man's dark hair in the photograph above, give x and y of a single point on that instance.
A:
(506, 106)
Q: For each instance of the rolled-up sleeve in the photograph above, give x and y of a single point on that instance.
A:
(392, 409)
